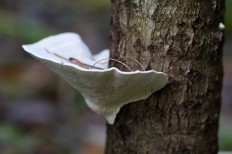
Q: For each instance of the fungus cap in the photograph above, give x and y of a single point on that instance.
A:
(105, 90)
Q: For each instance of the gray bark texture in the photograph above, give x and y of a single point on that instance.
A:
(182, 39)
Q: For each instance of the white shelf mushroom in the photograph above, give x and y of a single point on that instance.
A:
(105, 89)
(221, 26)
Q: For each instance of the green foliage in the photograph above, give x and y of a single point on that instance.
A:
(93, 5)
(23, 29)
(228, 16)
(15, 141)
(225, 140)
(12, 140)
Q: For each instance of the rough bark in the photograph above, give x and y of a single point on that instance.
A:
(182, 39)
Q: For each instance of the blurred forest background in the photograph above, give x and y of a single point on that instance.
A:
(42, 114)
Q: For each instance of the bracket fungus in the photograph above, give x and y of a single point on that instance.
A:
(105, 89)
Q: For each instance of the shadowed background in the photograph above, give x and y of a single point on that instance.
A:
(42, 114)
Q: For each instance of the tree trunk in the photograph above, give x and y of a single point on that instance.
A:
(182, 39)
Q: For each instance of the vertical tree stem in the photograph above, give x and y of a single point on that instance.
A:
(182, 39)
